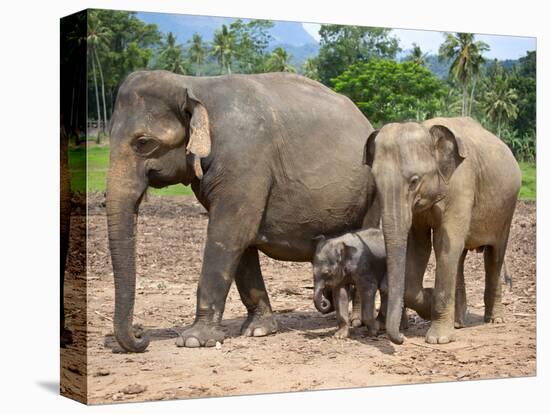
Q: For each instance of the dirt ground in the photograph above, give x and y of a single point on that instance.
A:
(303, 355)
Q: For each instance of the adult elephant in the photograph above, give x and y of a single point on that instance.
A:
(275, 158)
(451, 180)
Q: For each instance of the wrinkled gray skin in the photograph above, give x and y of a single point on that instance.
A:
(357, 258)
(450, 180)
(276, 159)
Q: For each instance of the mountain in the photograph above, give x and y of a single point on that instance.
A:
(184, 26)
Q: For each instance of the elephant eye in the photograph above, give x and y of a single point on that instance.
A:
(413, 182)
(145, 145)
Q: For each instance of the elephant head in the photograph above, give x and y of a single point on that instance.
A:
(412, 166)
(329, 270)
(159, 134)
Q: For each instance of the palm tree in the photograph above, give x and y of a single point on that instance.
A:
(310, 69)
(223, 47)
(97, 37)
(171, 56)
(416, 56)
(279, 61)
(197, 51)
(500, 101)
(467, 57)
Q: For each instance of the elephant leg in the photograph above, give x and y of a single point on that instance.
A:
(251, 287)
(368, 294)
(383, 311)
(460, 299)
(419, 248)
(449, 247)
(341, 303)
(225, 245)
(494, 310)
(356, 308)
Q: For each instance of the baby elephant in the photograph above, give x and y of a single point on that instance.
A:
(357, 258)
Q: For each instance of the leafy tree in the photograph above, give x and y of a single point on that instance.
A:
(279, 61)
(223, 47)
(500, 100)
(97, 37)
(417, 56)
(197, 52)
(386, 90)
(251, 42)
(524, 82)
(309, 68)
(130, 47)
(343, 46)
(171, 57)
(467, 57)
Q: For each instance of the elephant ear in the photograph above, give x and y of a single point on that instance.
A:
(368, 151)
(345, 252)
(449, 150)
(199, 144)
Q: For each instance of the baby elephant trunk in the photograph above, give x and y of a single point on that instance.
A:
(322, 303)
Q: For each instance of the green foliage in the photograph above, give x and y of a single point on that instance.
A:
(528, 189)
(198, 52)
(499, 100)
(417, 56)
(310, 70)
(523, 147)
(343, 46)
(251, 43)
(279, 61)
(466, 56)
(388, 91)
(128, 47)
(524, 82)
(171, 57)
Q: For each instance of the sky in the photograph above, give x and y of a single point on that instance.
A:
(502, 47)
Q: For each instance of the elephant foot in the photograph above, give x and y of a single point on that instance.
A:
(356, 322)
(342, 333)
(494, 318)
(200, 335)
(372, 330)
(66, 337)
(259, 326)
(460, 321)
(440, 333)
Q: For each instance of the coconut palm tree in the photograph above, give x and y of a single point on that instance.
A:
(467, 56)
(223, 47)
(197, 51)
(97, 38)
(310, 69)
(416, 56)
(500, 101)
(279, 61)
(171, 57)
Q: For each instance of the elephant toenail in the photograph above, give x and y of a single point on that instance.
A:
(192, 342)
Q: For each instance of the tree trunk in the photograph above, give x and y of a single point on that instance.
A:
(96, 99)
(472, 97)
(102, 90)
(464, 99)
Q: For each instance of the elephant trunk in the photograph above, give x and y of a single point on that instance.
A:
(122, 209)
(396, 223)
(322, 303)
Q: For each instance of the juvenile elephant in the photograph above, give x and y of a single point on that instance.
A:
(275, 158)
(357, 258)
(451, 180)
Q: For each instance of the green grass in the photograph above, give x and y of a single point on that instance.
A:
(528, 181)
(98, 164)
